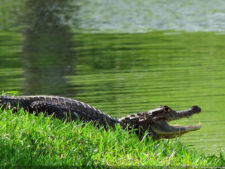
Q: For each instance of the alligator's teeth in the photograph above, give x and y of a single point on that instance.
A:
(188, 128)
(194, 127)
(171, 131)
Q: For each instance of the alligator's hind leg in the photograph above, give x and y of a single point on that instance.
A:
(49, 108)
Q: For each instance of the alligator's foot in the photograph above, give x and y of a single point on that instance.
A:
(161, 117)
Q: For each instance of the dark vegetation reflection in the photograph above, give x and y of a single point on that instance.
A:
(48, 53)
(119, 73)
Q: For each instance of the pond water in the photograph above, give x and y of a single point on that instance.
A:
(121, 57)
(124, 73)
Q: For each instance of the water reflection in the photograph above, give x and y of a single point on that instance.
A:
(125, 73)
(48, 54)
(10, 65)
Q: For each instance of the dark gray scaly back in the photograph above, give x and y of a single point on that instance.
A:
(69, 107)
(135, 121)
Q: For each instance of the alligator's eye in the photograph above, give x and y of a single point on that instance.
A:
(167, 109)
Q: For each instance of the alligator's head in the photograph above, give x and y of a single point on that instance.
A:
(156, 122)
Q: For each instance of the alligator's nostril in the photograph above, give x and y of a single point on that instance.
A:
(196, 109)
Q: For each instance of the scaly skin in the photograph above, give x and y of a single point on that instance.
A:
(154, 122)
(62, 107)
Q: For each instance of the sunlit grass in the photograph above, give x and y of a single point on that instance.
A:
(29, 140)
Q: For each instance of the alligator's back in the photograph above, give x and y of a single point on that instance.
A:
(65, 106)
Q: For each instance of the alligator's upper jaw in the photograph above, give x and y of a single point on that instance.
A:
(164, 130)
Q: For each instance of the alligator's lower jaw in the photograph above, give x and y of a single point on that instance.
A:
(187, 128)
(180, 130)
(171, 131)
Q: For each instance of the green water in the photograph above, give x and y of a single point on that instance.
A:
(77, 49)
(124, 73)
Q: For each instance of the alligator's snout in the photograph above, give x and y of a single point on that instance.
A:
(196, 109)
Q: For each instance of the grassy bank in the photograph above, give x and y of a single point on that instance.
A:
(28, 140)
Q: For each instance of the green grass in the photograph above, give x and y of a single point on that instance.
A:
(29, 140)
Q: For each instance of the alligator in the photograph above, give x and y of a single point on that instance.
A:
(153, 123)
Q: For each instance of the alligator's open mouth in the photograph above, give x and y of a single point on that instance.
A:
(169, 131)
(162, 129)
